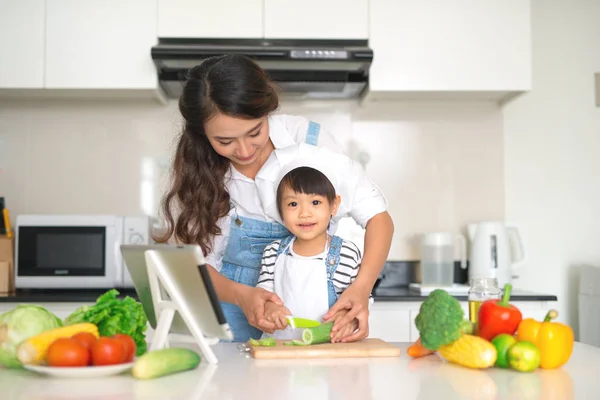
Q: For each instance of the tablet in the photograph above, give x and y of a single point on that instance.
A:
(181, 262)
(189, 287)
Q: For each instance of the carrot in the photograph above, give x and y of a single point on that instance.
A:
(418, 350)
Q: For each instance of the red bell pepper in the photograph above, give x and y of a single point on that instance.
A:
(498, 316)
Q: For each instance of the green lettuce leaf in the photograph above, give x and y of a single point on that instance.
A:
(113, 315)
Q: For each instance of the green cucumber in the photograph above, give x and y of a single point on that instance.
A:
(318, 334)
(254, 342)
(157, 363)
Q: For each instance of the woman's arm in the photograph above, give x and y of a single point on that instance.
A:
(251, 300)
(378, 240)
(226, 288)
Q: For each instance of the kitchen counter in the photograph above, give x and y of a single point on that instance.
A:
(409, 295)
(237, 376)
(402, 294)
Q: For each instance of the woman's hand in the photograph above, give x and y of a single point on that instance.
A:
(355, 300)
(252, 302)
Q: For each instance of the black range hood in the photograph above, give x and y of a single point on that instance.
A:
(308, 69)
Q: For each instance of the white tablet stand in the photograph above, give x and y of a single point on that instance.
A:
(165, 311)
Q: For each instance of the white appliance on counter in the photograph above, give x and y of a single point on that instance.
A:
(75, 251)
(589, 305)
(496, 249)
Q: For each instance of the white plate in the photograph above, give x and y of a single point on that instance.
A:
(80, 372)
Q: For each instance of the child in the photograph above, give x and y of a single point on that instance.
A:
(311, 268)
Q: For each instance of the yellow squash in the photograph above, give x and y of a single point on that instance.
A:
(471, 352)
(553, 339)
(34, 349)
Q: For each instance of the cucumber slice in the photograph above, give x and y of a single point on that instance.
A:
(318, 334)
(295, 343)
(296, 322)
(254, 342)
(267, 342)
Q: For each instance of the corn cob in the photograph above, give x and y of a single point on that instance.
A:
(470, 351)
(34, 349)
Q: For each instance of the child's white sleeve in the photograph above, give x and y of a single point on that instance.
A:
(266, 277)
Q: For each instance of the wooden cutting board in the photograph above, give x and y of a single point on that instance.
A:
(365, 348)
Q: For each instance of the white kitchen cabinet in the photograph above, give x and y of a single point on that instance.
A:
(389, 322)
(450, 46)
(22, 44)
(106, 44)
(210, 19)
(316, 19)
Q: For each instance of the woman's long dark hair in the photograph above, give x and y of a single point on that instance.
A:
(231, 85)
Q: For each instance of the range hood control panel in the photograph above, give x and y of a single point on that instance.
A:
(319, 54)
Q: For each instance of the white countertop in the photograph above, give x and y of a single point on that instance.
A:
(237, 376)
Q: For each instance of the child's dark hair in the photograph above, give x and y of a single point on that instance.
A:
(305, 180)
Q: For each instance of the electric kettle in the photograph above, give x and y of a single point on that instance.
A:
(495, 250)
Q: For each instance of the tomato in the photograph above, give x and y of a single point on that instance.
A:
(107, 351)
(129, 344)
(85, 338)
(67, 353)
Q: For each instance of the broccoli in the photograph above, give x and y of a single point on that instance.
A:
(441, 320)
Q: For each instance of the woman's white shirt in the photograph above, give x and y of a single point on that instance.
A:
(361, 199)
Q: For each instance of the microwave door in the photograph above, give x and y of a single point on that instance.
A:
(64, 257)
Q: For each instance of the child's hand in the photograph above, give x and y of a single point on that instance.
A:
(276, 314)
(345, 330)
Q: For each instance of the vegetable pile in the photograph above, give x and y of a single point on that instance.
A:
(110, 332)
(113, 316)
(78, 345)
(81, 345)
(501, 337)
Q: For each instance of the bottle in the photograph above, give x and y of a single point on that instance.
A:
(481, 289)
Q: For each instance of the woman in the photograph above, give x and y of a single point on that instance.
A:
(229, 133)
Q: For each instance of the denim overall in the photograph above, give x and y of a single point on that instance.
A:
(248, 238)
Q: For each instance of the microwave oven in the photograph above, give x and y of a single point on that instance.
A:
(75, 251)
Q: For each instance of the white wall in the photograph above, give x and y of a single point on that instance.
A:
(439, 164)
(552, 151)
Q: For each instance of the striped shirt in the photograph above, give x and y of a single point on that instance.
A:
(345, 274)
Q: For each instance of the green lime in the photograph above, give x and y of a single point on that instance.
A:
(524, 356)
(503, 342)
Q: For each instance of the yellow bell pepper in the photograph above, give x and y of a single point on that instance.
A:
(553, 339)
